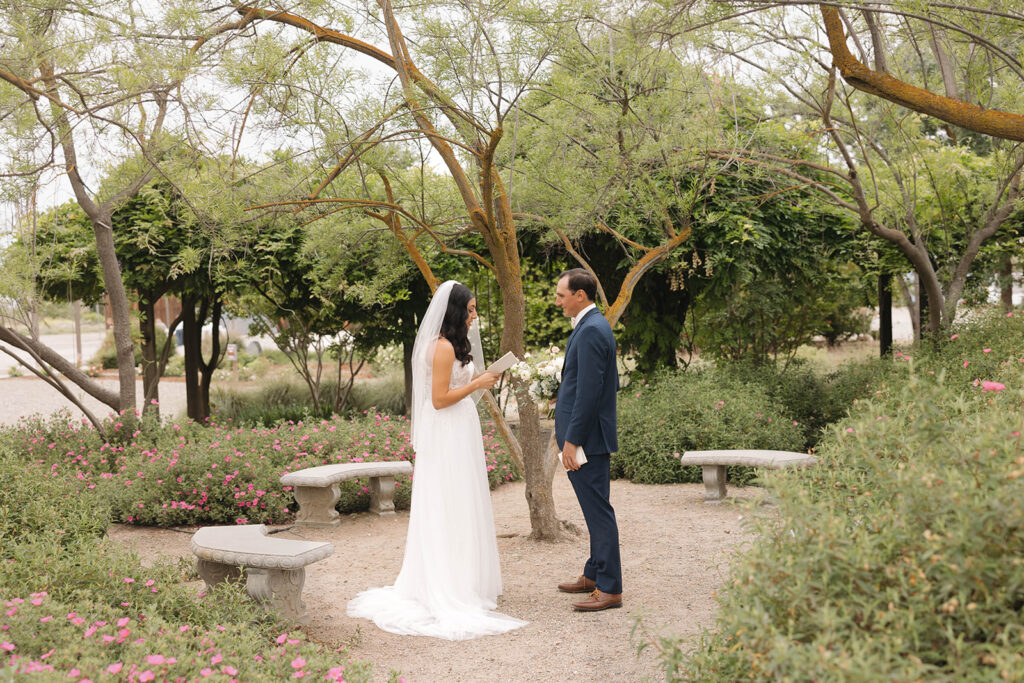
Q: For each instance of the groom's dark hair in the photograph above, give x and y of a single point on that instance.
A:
(453, 327)
(581, 279)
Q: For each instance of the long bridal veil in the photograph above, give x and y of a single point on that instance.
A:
(450, 577)
(423, 355)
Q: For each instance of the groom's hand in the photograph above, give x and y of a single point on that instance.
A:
(569, 457)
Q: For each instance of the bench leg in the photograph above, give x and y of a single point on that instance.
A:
(382, 495)
(316, 505)
(714, 483)
(215, 572)
(286, 593)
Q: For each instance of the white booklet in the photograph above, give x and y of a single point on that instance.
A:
(581, 457)
(502, 364)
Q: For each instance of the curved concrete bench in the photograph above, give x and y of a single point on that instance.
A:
(274, 568)
(316, 489)
(713, 464)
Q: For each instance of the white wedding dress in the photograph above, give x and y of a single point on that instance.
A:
(450, 577)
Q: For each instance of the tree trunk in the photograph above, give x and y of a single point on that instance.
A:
(192, 348)
(150, 361)
(1006, 283)
(119, 311)
(407, 367)
(207, 368)
(884, 314)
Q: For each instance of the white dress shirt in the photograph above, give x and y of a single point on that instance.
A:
(579, 316)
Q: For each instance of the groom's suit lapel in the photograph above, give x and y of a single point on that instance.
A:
(577, 329)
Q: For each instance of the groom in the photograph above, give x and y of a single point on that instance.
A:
(585, 417)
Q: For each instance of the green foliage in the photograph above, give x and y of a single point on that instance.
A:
(106, 355)
(80, 606)
(696, 410)
(901, 555)
(187, 474)
(278, 400)
(810, 397)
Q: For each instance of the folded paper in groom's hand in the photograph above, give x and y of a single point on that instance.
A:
(502, 364)
(581, 457)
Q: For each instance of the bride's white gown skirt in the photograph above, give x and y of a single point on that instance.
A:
(450, 578)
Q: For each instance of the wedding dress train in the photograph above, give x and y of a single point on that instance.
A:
(450, 577)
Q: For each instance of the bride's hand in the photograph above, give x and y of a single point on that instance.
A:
(486, 380)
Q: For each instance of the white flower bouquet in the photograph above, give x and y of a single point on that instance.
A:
(542, 373)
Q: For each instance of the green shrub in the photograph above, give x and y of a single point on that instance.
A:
(901, 555)
(79, 606)
(695, 410)
(187, 474)
(106, 355)
(282, 399)
(28, 502)
(812, 398)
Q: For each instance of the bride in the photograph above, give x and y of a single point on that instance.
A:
(450, 577)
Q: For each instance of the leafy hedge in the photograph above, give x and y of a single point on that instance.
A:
(80, 607)
(901, 556)
(189, 475)
(696, 410)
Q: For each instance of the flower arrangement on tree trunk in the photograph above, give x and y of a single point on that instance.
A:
(542, 371)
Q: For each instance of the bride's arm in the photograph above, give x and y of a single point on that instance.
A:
(441, 394)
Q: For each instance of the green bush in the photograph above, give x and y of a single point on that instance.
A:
(901, 555)
(812, 398)
(187, 474)
(79, 606)
(695, 410)
(287, 398)
(106, 355)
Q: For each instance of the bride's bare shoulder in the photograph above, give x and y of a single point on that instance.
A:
(444, 351)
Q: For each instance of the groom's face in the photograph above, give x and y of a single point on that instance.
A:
(570, 302)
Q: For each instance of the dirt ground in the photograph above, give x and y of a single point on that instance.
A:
(675, 555)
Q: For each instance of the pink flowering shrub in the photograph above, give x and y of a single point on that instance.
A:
(222, 474)
(900, 556)
(75, 606)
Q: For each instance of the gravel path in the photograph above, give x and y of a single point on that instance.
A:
(675, 552)
(26, 396)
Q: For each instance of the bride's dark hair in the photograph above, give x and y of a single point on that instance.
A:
(453, 327)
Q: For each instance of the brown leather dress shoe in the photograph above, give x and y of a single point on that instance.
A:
(580, 585)
(598, 601)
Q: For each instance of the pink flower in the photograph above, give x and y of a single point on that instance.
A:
(849, 430)
(205, 672)
(6, 646)
(992, 386)
(986, 350)
(155, 660)
(954, 337)
(298, 663)
(146, 675)
(216, 659)
(229, 670)
(123, 621)
(129, 580)
(115, 668)
(966, 363)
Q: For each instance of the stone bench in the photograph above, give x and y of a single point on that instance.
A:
(273, 568)
(316, 489)
(713, 464)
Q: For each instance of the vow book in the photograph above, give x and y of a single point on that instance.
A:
(502, 364)
(581, 457)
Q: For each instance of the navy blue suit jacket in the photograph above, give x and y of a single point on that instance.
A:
(585, 411)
